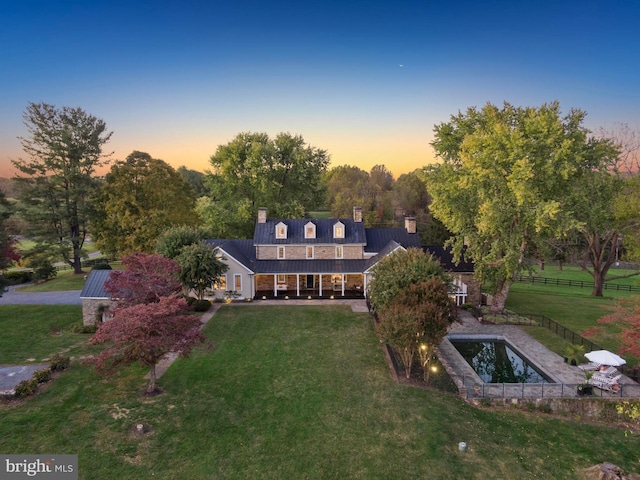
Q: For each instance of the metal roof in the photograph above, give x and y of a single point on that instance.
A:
(265, 233)
(378, 238)
(309, 266)
(94, 285)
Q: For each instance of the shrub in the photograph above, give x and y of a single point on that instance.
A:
(190, 300)
(17, 278)
(43, 269)
(201, 305)
(42, 375)
(84, 328)
(26, 388)
(102, 266)
(544, 408)
(59, 362)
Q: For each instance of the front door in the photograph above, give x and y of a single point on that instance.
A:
(310, 282)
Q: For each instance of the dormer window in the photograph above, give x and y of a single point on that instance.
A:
(338, 230)
(281, 230)
(310, 230)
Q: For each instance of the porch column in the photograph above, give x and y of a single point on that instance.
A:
(297, 284)
(342, 277)
(275, 285)
(320, 292)
(364, 285)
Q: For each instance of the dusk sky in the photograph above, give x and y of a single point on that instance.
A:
(366, 81)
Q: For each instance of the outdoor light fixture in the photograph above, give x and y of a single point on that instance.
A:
(309, 297)
(264, 297)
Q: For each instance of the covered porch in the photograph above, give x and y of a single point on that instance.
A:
(315, 285)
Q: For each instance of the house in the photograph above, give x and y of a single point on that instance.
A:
(320, 258)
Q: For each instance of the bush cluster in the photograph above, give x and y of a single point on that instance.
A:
(42, 375)
(26, 388)
(201, 305)
(17, 278)
(84, 328)
(102, 266)
(59, 362)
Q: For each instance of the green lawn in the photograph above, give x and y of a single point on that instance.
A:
(39, 332)
(572, 272)
(293, 392)
(65, 280)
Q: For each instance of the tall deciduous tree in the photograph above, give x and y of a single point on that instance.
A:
(199, 268)
(174, 239)
(146, 279)
(64, 146)
(626, 210)
(282, 174)
(8, 252)
(504, 180)
(145, 333)
(397, 271)
(416, 320)
(140, 198)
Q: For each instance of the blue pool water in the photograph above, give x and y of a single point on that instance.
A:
(495, 361)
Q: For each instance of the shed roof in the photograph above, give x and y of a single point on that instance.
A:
(94, 285)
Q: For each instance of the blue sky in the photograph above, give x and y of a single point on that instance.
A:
(366, 81)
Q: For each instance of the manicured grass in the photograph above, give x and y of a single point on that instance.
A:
(573, 308)
(39, 332)
(294, 392)
(65, 280)
(571, 272)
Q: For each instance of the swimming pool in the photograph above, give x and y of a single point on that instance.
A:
(497, 361)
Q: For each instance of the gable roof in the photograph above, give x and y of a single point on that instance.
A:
(265, 233)
(94, 285)
(446, 259)
(378, 238)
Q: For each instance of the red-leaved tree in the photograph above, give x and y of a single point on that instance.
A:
(145, 333)
(146, 279)
(626, 313)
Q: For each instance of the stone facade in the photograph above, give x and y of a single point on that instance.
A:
(299, 252)
(93, 309)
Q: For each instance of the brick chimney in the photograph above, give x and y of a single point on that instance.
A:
(357, 214)
(262, 215)
(410, 224)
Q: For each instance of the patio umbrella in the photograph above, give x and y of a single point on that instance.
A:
(605, 357)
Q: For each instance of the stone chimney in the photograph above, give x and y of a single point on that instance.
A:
(410, 224)
(357, 214)
(262, 215)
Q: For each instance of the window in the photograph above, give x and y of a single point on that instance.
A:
(310, 230)
(281, 253)
(339, 251)
(220, 283)
(237, 282)
(281, 230)
(282, 278)
(338, 230)
(309, 252)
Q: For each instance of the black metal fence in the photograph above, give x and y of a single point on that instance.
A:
(575, 283)
(473, 389)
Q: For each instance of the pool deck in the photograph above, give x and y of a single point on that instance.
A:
(550, 362)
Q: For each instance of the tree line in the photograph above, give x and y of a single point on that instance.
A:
(512, 184)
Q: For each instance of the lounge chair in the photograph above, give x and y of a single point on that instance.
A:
(604, 382)
(591, 366)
